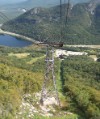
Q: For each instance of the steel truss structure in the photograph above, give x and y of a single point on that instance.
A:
(49, 86)
(50, 80)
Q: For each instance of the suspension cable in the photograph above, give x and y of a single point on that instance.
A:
(64, 16)
(67, 13)
(3, 16)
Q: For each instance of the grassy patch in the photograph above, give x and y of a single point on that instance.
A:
(19, 55)
(33, 60)
(68, 116)
(94, 57)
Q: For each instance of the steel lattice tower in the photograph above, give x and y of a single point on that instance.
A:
(49, 86)
(50, 79)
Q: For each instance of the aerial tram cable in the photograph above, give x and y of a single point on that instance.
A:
(64, 15)
(67, 13)
(60, 19)
(3, 16)
(61, 10)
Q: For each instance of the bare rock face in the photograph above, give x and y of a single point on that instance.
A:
(92, 5)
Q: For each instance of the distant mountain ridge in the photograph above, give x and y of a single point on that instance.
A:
(44, 23)
(14, 10)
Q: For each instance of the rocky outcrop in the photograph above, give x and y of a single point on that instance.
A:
(92, 5)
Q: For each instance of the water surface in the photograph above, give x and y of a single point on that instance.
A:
(7, 40)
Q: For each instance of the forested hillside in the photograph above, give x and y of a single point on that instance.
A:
(77, 74)
(81, 80)
(17, 77)
(44, 24)
(78, 82)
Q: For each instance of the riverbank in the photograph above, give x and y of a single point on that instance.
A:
(18, 35)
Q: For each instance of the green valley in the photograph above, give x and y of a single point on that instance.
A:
(43, 24)
(68, 52)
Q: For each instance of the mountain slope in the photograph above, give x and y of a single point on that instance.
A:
(21, 79)
(44, 23)
(14, 10)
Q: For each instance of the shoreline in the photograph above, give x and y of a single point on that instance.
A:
(18, 36)
(2, 32)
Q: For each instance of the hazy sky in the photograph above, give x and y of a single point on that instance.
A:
(16, 1)
(10, 1)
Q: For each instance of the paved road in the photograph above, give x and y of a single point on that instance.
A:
(89, 46)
